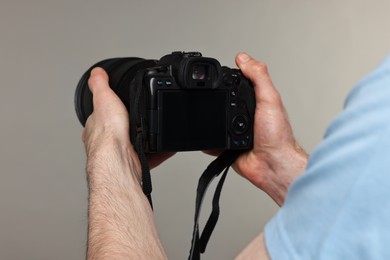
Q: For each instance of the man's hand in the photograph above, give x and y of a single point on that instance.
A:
(107, 128)
(109, 121)
(109, 117)
(276, 158)
(121, 221)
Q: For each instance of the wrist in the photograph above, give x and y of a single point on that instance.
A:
(286, 165)
(273, 169)
(112, 160)
(119, 212)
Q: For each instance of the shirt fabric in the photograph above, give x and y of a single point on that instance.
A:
(340, 207)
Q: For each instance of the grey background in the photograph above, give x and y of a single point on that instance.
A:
(316, 51)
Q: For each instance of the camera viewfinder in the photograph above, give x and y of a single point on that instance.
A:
(200, 72)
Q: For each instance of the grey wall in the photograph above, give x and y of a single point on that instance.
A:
(316, 51)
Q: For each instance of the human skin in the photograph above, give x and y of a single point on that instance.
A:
(121, 222)
(276, 158)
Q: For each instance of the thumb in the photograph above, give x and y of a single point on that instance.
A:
(257, 73)
(98, 80)
(104, 98)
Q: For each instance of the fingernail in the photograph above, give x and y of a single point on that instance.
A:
(243, 57)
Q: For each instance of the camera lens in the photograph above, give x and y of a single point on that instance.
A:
(121, 72)
(199, 72)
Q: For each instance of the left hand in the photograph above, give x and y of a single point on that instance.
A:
(109, 122)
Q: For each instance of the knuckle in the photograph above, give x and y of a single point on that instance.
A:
(260, 67)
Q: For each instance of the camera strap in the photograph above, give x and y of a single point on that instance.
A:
(137, 131)
(222, 163)
(146, 178)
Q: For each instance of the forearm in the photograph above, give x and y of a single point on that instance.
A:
(121, 222)
(286, 166)
(255, 250)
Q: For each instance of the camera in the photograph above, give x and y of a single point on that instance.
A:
(181, 102)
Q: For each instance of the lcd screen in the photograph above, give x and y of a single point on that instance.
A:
(192, 119)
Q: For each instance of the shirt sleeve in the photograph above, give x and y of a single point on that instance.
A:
(340, 207)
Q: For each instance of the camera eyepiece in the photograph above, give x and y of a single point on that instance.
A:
(200, 72)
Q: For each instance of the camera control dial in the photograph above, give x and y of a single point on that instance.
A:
(240, 124)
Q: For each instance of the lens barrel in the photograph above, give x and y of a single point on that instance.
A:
(121, 72)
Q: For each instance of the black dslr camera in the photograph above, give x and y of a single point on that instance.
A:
(182, 102)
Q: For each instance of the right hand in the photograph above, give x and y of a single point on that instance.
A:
(276, 158)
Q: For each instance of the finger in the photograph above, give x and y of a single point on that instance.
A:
(104, 98)
(98, 80)
(257, 73)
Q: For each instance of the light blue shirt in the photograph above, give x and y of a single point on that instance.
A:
(340, 207)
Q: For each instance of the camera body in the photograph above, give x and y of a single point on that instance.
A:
(183, 102)
(192, 103)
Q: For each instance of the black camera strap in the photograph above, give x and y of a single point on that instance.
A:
(222, 163)
(146, 178)
(137, 131)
